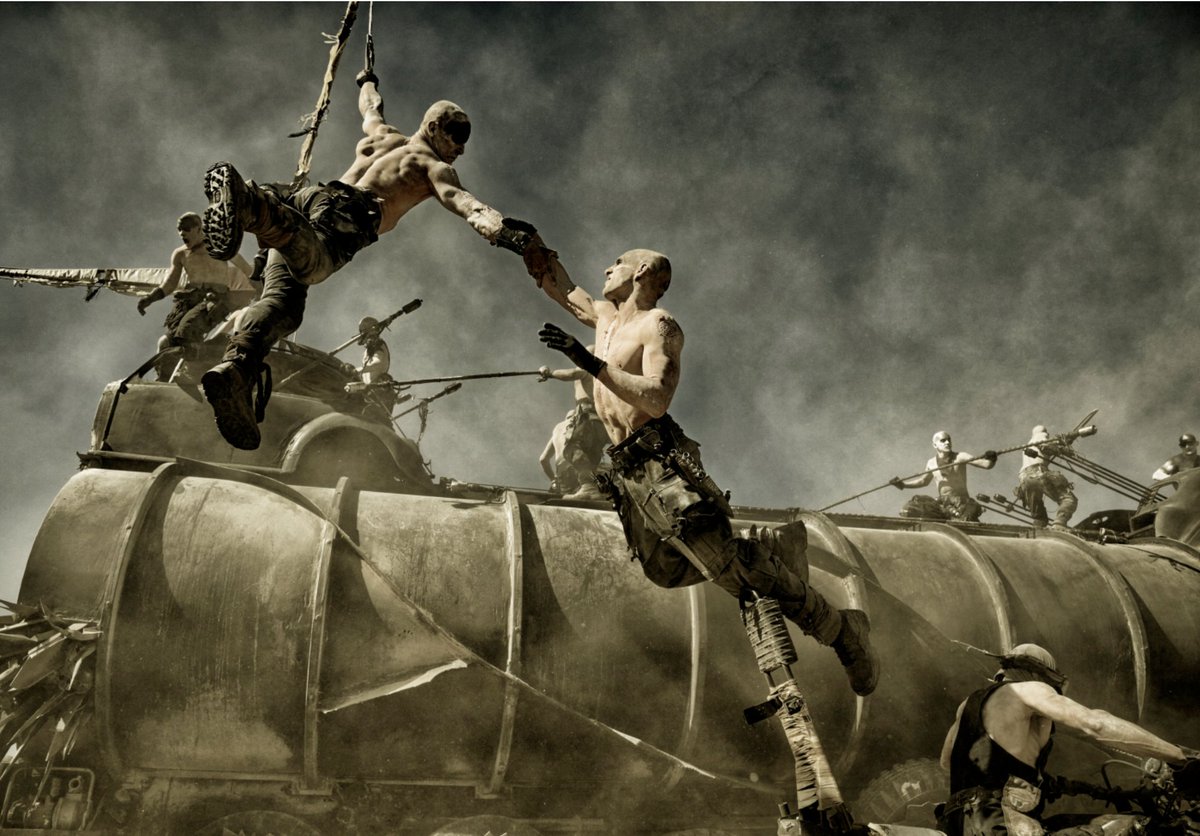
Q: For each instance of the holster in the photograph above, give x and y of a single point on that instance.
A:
(662, 439)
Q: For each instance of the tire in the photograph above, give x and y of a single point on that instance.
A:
(260, 823)
(904, 794)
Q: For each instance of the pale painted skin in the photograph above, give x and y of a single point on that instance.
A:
(954, 473)
(194, 262)
(640, 342)
(402, 171)
(1018, 717)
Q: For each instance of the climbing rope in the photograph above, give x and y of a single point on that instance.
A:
(313, 120)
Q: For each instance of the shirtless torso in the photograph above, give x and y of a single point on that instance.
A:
(403, 171)
(640, 342)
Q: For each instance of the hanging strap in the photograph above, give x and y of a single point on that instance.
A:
(314, 119)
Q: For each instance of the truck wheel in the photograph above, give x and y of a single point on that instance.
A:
(485, 825)
(260, 823)
(905, 794)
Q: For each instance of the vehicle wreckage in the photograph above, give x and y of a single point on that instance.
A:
(208, 642)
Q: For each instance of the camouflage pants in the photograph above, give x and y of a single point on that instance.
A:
(682, 536)
(1038, 481)
(312, 234)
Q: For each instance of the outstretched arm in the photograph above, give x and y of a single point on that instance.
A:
(915, 482)
(1095, 723)
(450, 193)
(370, 103)
(168, 285)
(543, 266)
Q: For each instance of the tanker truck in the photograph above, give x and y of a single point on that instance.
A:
(211, 649)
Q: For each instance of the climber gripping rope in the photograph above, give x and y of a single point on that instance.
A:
(314, 231)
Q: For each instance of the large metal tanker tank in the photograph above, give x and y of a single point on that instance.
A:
(254, 632)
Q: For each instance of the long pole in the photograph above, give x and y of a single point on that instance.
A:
(460, 377)
(338, 44)
(1062, 438)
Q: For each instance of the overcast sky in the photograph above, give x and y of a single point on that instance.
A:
(884, 220)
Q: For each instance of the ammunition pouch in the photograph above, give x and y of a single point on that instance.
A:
(661, 439)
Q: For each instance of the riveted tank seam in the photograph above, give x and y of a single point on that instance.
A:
(988, 572)
(316, 635)
(514, 542)
(135, 523)
(1187, 556)
(697, 615)
(1129, 609)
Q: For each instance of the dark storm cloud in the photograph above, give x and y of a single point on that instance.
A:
(884, 219)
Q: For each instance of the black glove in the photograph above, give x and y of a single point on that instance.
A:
(149, 299)
(991, 455)
(1033, 452)
(365, 76)
(896, 482)
(515, 235)
(558, 339)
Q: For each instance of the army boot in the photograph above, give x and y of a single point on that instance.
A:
(226, 215)
(228, 387)
(853, 649)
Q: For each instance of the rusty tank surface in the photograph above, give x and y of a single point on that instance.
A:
(286, 659)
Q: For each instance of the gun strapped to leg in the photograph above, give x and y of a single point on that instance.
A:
(818, 798)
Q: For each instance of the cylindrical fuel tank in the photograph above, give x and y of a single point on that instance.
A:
(256, 631)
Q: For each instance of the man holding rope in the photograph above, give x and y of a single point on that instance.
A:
(313, 232)
(676, 520)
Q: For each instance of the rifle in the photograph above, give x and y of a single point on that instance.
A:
(383, 323)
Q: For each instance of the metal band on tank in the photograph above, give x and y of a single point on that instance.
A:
(988, 573)
(512, 661)
(160, 480)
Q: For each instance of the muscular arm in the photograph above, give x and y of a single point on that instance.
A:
(986, 464)
(651, 390)
(1097, 724)
(546, 458)
(449, 191)
(918, 481)
(370, 105)
(171, 282)
(543, 265)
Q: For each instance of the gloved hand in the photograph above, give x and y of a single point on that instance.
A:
(1033, 452)
(543, 374)
(896, 482)
(558, 339)
(515, 235)
(364, 76)
(991, 455)
(149, 299)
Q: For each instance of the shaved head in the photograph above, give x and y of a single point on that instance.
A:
(658, 267)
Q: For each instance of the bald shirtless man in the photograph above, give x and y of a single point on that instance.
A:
(676, 520)
(194, 276)
(315, 231)
(948, 472)
(996, 749)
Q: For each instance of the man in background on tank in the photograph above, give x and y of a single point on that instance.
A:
(1036, 480)
(997, 747)
(203, 291)
(315, 231)
(1186, 459)
(576, 446)
(948, 471)
(375, 372)
(676, 520)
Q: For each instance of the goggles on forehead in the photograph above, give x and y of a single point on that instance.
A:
(458, 132)
(1045, 673)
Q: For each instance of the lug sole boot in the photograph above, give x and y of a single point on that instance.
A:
(227, 388)
(227, 194)
(853, 649)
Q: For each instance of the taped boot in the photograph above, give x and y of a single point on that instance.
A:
(853, 649)
(228, 388)
(846, 631)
